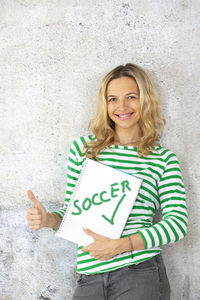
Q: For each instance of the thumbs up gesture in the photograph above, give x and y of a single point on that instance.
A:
(36, 215)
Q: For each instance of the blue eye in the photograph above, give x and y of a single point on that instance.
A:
(131, 97)
(111, 99)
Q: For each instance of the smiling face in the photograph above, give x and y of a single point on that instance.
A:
(123, 104)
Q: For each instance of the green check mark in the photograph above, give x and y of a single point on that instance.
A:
(111, 221)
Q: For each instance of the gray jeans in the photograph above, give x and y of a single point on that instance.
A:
(145, 281)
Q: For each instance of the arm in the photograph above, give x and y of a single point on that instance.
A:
(173, 225)
(53, 221)
(124, 246)
(105, 248)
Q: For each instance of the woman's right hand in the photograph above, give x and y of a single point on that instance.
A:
(37, 214)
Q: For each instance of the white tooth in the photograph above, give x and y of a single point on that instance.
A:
(123, 116)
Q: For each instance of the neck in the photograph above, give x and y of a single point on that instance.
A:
(126, 138)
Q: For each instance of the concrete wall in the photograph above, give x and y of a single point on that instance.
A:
(53, 54)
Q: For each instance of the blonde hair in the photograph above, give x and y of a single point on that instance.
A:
(151, 122)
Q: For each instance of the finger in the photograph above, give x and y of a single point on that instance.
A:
(101, 258)
(33, 211)
(31, 218)
(34, 227)
(33, 198)
(96, 256)
(91, 233)
(88, 248)
(34, 217)
(34, 223)
(85, 249)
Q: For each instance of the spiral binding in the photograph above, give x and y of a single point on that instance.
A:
(72, 199)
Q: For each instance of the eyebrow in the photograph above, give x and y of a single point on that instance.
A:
(126, 94)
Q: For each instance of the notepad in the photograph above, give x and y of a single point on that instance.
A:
(102, 201)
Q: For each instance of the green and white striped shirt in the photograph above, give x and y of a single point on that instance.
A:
(162, 187)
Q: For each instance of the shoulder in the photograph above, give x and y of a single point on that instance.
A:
(82, 140)
(78, 143)
(163, 153)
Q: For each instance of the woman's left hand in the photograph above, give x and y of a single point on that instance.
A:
(102, 248)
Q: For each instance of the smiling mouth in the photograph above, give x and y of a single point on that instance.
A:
(124, 116)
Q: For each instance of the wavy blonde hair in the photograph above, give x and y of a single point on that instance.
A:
(151, 122)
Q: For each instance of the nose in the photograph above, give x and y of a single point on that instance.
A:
(121, 104)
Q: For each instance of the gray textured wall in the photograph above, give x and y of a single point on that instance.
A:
(53, 54)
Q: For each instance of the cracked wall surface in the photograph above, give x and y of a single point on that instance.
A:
(53, 55)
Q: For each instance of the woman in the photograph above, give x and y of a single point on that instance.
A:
(126, 129)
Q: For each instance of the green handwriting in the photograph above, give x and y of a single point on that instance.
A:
(115, 190)
(111, 221)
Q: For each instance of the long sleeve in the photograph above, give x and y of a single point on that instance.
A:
(171, 191)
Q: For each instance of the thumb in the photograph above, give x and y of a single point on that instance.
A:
(91, 233)
(32, 197)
